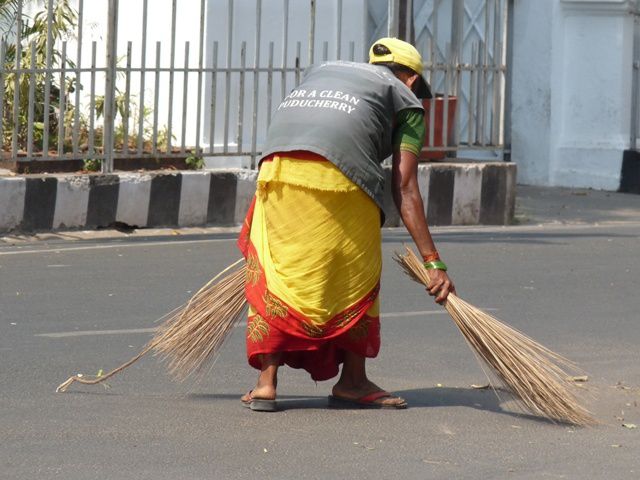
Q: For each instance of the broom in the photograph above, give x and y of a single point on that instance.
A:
(533, 373)
(194, 332)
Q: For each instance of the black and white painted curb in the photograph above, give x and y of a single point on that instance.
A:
(454, 194)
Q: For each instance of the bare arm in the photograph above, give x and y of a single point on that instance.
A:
(406, 195)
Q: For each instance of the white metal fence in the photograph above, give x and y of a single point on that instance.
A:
(110, 80)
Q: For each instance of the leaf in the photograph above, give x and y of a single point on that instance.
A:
(630, 426)
(480, 387)
(257, 329)
(579, 378)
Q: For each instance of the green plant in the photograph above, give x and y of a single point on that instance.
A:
(92, 165)
(194, 162)
(33, 34)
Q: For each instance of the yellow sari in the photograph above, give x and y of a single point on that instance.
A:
(313, 247)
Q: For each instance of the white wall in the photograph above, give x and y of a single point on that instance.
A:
(572, 66)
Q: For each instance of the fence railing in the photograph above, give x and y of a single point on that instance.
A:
(634, 143)
(87, 80)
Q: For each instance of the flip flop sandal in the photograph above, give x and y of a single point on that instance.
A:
(367, 401)
(259, 404)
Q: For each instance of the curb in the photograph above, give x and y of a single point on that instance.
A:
(454, 193)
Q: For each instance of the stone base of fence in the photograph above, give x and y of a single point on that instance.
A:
(453, 193)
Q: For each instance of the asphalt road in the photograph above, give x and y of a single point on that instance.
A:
(82, 306)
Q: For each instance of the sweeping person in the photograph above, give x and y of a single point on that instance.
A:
(312, 237)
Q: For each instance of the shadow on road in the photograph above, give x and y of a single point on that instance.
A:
(481, 399)
(416, 398)
(285, 402)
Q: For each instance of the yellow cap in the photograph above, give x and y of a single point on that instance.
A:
(387, 50)
(402, 53)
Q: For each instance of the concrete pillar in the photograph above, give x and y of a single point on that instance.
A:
(572, 69)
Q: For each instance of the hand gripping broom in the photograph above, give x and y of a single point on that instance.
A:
(533, 373)
(194, 332)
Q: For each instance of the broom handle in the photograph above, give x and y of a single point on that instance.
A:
(150, 346)
(80, 379)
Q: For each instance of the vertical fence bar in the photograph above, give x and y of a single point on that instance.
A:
(62, 109)
(479, 98)
(436, 57)
(256, 84)
(472, 96)
(143, 76)
(76, 112)
(172, 58)
(32, 95)
(339, 29)
(312, 30)
(457, 27)
(285, 42)
(482, 94)
(298, 53)
(393, 18)
(325, 51)
(185, 88)
(432, 120)
(445, 99)
(47, 80)
(435, 66)
(457, 36)
(243, 61)
(16, 90)
(508, 76)
(3, 55)
(433, 48)
(635, 92)
(225, 147)
(497, 75)
(198, 151)
(214, 89)
(270, 84)
(156, 98)
(457, 89)
(110, 86)
(92, 102)
(127, 101)
(485, 74)
(352, 51)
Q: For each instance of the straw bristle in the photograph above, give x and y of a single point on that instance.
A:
(530, 371)
(193, 334)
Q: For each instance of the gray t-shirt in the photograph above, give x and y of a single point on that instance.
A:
(345, 112)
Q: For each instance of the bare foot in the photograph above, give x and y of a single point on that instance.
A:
(353, 391)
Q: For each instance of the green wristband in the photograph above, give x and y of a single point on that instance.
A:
(435, 265)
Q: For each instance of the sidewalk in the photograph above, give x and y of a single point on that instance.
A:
(555, 205)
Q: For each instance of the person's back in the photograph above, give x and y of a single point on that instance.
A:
(344, 112)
